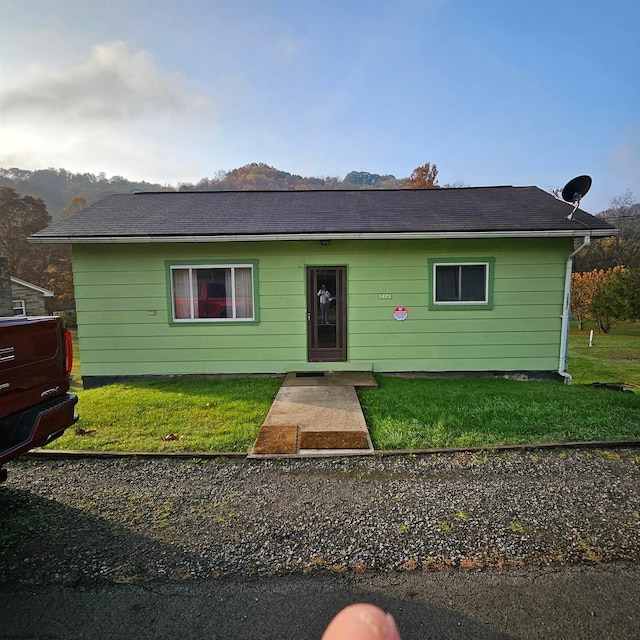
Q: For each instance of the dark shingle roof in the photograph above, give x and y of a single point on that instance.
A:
(465, 212)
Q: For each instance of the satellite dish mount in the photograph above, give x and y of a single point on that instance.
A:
(574, 191)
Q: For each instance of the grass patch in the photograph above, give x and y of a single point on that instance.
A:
(423, 413)
(615, 356)
(197, 415)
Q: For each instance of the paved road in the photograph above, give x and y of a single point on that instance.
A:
(578, 602)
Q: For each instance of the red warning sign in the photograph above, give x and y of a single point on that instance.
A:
(400, 314)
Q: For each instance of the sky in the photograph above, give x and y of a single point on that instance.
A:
(494, 92)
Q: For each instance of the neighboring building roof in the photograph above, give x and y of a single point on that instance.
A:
(45, 292)
(293, 215)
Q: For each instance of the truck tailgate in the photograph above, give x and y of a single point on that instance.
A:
(32, 363)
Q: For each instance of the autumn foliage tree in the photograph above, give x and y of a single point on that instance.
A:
(605, 295)
(20, 216)
(58, 277)
(583, 287)
(58, 273)
(424, 177)
(77, 203)
(618, 299)
(47, 266)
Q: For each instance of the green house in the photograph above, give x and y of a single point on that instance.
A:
(457, 281)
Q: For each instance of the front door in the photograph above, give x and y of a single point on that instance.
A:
(327, 314)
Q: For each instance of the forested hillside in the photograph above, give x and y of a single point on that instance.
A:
(57, 187)
(62, 190)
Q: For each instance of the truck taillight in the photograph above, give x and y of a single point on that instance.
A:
(68, 344)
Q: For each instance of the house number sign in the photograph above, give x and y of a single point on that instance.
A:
(400, 314)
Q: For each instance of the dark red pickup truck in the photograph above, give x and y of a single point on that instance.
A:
(35, 404)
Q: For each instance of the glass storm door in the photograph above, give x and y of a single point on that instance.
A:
(326, 314)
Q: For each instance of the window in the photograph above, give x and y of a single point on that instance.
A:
(461, 283)
(19, 308)
(220, 292)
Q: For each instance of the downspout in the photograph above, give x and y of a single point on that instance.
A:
(566, 311)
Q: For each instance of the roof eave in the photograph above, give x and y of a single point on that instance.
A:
(267, 237)
(23, 283)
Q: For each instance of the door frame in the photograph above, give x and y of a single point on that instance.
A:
(336, 351)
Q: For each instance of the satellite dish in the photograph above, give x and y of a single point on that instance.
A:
(575, 190)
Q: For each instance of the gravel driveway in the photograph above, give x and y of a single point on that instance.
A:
(131, 520)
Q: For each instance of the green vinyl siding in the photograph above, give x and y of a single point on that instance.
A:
(125, 326)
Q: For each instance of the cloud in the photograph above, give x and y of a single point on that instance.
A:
(115, 111)
(114, 83)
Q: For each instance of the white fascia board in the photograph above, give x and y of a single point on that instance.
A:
(410, 235)
(45, 292)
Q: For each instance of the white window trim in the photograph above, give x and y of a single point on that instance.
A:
(454, 303)
(232, 267)
(19, 304)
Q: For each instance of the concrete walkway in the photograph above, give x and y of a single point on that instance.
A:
(316, 415)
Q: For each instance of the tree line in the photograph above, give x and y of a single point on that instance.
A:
(59, 187)
(606, 279)
(606, 296)
(47, 266)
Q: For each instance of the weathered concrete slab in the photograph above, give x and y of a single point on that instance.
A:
(328, 408)
(330, 378)
(317, 407)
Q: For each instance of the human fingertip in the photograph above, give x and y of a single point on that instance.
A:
(392, 628)
(362, 622)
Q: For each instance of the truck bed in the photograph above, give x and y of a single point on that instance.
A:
(35, 403)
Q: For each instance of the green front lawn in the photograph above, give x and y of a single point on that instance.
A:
(425, 413)
(226, 414)
(171, 415)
